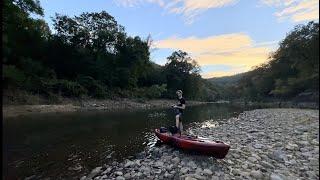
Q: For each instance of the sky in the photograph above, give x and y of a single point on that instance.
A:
(225, 37)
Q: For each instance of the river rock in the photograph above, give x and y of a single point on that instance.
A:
(127, 175)
(159, 164)
(256, 174)
(198, 170)
(215, 178)
(108, 170)
(129, 164)
(275, 177)
(258, 146)
(207, 172)
(267, 165)
(118, 173)
(252, 159)
(168, 175)
(157, 171)
(277, 155)
(197, 176)
(184, 170)
(120, 178)
(190, 178)
(192, 164)
(176, 160)
(94, 172)
(146, 170)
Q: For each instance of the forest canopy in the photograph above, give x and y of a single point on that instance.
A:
(291, 72)
(91, 55)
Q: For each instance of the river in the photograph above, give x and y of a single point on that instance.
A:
(68, 145)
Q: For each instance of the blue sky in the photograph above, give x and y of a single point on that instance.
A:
(225, 37)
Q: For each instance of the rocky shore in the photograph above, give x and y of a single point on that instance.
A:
(90, 105)
(268, 144)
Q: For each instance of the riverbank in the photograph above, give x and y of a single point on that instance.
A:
(90, 105)
(280, 104)
(265, 144)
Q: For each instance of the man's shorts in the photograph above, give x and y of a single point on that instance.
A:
(177, 112)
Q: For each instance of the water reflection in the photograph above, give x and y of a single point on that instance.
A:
(71, 144)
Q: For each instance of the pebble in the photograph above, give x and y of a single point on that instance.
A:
(275, 177)
(184, 170)
(176, 160)
(118, 173)
(256, 174)
(120, 178)
(207, 172)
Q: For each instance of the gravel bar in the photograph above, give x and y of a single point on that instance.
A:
(267, 144)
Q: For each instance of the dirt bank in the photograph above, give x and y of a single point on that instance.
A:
(88, 105)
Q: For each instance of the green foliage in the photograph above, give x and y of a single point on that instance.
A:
(13, 76)
(154, 74)
(89, 55)
(182, 72)
(293, 68)
(66, 88)
(227, 80)
(94, 87)
(35, 68)
(29, 6)
(155, 91)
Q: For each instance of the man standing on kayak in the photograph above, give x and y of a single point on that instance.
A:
(179, 110)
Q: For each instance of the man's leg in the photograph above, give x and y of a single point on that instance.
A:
(179, 123)
(177, 120)
(180, 126)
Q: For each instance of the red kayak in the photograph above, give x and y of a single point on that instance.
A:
(216, 149)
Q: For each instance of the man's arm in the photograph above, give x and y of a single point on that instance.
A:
(183, 106)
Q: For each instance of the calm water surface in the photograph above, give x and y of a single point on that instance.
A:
(68, 145)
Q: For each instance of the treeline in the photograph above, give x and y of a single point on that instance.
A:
(89, 55)
(291, 73)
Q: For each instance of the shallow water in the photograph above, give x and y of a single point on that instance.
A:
(68, 145)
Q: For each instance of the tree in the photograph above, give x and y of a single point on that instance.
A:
(293, 68)
(182, 72)
(98, 32)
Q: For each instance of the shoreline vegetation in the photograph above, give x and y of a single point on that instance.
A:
(19, 103)
(68, 105)
(14, 109)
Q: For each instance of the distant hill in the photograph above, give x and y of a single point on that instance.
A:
(227, 80)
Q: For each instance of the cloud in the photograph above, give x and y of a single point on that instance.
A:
(233, 71)
(217, 44)
(190, 9)
(235, 50)
(295, 10)
(221, 70)
(133, 3)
